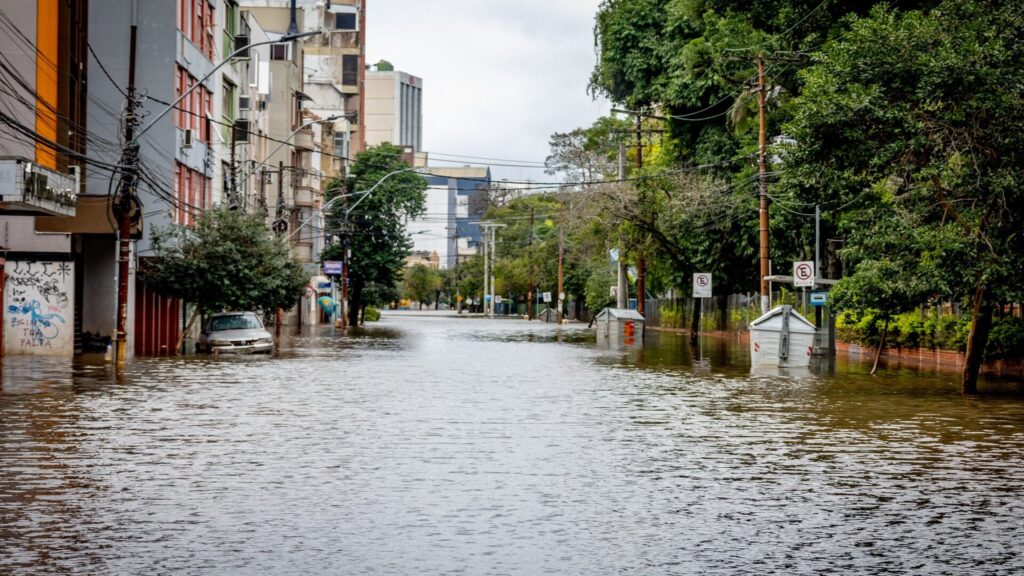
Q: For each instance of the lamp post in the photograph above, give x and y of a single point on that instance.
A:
(127, 204)
(346, 256)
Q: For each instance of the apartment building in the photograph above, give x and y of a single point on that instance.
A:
(394, 107)
(43, 140)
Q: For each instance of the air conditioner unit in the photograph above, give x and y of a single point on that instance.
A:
(186, 142)
(244, 103)
(242, 41)
(240, 131)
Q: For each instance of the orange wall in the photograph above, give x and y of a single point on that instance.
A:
(47, 58)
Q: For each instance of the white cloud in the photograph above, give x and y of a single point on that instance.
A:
(499, 76)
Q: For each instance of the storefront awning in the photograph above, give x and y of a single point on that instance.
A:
(94, 215)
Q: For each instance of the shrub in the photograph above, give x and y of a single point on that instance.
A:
(1006, 339)
(371, 314)
(672, 316)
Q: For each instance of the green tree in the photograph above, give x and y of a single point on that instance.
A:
(421, 283)
(383, 194)
(911, 126)
(227, 261)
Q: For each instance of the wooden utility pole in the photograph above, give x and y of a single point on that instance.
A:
(561, 289)
(531, 299)
(762, 174)
(124, 206)
(641, 264)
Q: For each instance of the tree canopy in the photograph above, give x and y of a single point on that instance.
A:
(381, 194)
(228, 260)
(899, 119)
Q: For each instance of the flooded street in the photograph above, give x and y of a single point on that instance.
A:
(431, 445)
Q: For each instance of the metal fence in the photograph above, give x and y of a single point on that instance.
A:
(731, 313)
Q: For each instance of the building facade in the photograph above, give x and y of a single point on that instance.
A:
(394, 108)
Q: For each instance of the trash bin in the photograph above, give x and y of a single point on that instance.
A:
(783, 338)
(619, 327)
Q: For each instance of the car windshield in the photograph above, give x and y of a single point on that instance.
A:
(234, 322)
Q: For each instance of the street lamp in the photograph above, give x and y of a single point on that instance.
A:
(362, 193)
(348, 210)
(282, 40)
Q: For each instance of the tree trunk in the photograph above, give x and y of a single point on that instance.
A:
(977, 339)
(188, 327)
(695, 322)
(723, 313)
(355, 303)
(881, 346)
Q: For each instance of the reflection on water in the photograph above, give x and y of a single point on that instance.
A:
(434, 445)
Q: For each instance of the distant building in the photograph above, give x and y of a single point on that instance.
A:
(456, 201)
(394, 107)
(425, 257)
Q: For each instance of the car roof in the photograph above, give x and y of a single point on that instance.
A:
(232, 314)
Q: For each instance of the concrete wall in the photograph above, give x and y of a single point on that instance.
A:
(109, 34)
(394, 109)
(381, 108)
(39, 308)
(99, 304)
(23, 58)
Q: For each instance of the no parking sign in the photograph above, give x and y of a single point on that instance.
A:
(701, 285)
(803, 274)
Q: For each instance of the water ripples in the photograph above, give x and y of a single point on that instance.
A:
(431, 445)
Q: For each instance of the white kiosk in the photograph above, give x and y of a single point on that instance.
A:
(782, 338)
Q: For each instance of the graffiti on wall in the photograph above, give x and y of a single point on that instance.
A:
(38, 308)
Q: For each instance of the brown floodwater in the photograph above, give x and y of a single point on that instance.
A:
(437, 445)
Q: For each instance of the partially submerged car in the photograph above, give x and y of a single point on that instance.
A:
(235, 333)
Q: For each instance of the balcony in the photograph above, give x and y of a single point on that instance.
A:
(304, 186)
(302, 250)
(303, 139)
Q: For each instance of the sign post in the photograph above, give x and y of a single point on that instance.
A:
(803, 277)
(701, 285)
(803, 274)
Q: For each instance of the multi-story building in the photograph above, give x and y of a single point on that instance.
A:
(456, 202)
(313, 104)
(394, 107)
(43, 140)
(245, 133)
(190, 156)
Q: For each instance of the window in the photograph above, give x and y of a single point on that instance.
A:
(350, 70)
(230, 26)
(280, 52)
(228, 100)
(191, 194)
(195, 22)
(192, 112)
(345, 21)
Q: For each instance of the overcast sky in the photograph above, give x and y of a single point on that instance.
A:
(499, 76)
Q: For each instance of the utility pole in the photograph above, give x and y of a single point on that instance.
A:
(126, 201)
(530, 297)
(232, 184)
(762, 174)
(622, 298)
(487, 289)
(641, 264)
(458, 294)
(279, 315)
(561, 289)
(493, 261)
